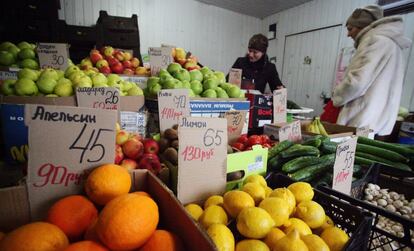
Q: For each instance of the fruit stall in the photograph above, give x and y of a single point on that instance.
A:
(102, 151)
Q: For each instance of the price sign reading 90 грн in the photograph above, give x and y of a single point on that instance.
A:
(343, 167)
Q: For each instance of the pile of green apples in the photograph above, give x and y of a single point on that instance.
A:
(56, 83)
(201, 83)
(22, 55)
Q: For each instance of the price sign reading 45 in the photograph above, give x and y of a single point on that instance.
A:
(65, 142)
(52, 55)
(201, 158)
(343, 167)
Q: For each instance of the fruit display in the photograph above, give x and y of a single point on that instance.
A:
(201, 83)
(189, 62)
(110, 60)
(56, 83)
(245, 143)
(257, 217)
(109, 217)
(169, 145)
(22, 55)
(316, 127)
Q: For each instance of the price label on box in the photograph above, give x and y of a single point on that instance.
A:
(235, 124)
(172, 104)
(279, 106)
(363, 131)
(160, 58)
(64, 143)
(52, 55)
(292, 132)
(235, 76)
(98, 97)
(344, 166)
(201, 158)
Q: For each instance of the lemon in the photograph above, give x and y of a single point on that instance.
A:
(298, 224)
(213, 200)
(254, 222)
(277, 208)
(268, 191)
(311, 213)
(335, 237)
(255, 178)
(287, 195)
(249, 245)
(194, 210)
(213, 214)
(315, 243)
(302, 191)
(291, 242)
(273, 236)
(328, 222)
(222, 237)
(255, 190)
(234, 201)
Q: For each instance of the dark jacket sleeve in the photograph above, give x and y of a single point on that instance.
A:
(273, 78)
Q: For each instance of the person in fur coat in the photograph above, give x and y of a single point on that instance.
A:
(370, 92)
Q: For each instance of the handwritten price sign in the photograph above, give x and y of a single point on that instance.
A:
(201, 158)
(235, 76)
(343, 167)
(52, 55)
(279, 106)
(160, 58)
(65, 142)
(98, 97)
(363, 131)
(291, 132)
(235, 123)
(172, 104)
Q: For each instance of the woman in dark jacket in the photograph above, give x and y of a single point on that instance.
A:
(257, 70)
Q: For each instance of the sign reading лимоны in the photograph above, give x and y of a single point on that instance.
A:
(201, 158)
(65, 142)
(98, 97)
(53, 55)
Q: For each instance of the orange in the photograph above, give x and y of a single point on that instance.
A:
(142, 193)
(162, 240)
(90, 233)
(86, 246)
(107, 182)
(127, 222)
(39, 236)
(73, 214)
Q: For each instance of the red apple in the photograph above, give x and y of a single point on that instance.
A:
(129, 164)
(180, 61)
(127, 64)
(151, 146)
(105, 70)
(239, 146)
(128, 71)
(180, 54)
(85, 67)
(121, 137)
(95, 56)
(101, 63)
(135, 62)
(119, 155)
(107, 51)
(95, 69)
(119, 55)
(117, 68)
(133, 148)
(135, 136)
(111, 60)
(127, 56)
(150, 162)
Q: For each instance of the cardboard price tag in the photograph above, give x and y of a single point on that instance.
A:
(344, 166)
(292, 132)
(160, 58)
(172, 104)
(279, 106)
(235, 124)
(201, 158)
(52, 55)
(65, 142)
(235, 76)
(98, 97)
(363, 131)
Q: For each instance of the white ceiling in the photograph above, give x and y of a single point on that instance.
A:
(256, 8)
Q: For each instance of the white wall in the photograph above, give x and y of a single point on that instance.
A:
(216, 36)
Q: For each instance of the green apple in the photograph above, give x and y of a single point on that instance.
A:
(191, 93)
(178, 84)
(90, 73)
(165, 78)
(6, 45)
(173, 67)
(6, 58)
(24, 45)
(71, 69)
(210, 83)
(60, 73)
(205, 70)
(153, 80)
(75, 76)
(163, 72)
(99, 79)
(52, 96)
(126, 85)
(182, 74)
(135, 91)
(169, 84)
(27, 53)
(186, 84)
(49, 73)
(25, 87)
(196, 75)
(225, 86)
(100, 85)
(196, 86)
(153, 90)
(70, 62)
(83, 81)
(7, 88)
(115, 84)
(210, 93)
(220, 76)
(121, 93)
(114, 77)
(210, 75)
(64, 80)
(233, 92)
(29, 63)
(63, 88)
(46, 85)
(14, 50)
(28, 73)
(242, 94)
(221, 93)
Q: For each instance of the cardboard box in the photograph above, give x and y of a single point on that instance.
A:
(15, 210)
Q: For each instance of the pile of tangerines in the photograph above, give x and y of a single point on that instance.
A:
(127, 221)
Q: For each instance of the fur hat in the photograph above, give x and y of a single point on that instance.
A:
(259, 42)
(362, 17)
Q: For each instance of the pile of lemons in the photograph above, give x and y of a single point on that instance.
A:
(283, 219)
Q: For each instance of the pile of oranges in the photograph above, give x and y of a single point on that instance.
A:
(127, 221)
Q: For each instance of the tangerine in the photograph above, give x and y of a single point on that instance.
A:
(162, 240)
(86, 246)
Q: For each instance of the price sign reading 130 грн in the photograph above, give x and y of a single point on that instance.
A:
(172, 104)
(201, 157)
(343, 167)
(65, 142)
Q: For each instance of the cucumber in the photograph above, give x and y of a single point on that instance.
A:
(275, 164)
(279, 148)
(328, 147)
(383, 153)
(299, 163)
(299, 150)
(406, 151)
(312, 171)
(380, 160)
(312, 142)
(363, 161)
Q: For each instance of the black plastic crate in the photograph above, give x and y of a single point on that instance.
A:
(38, 9)
(387, 178)
(117, 24)
(349, 218)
